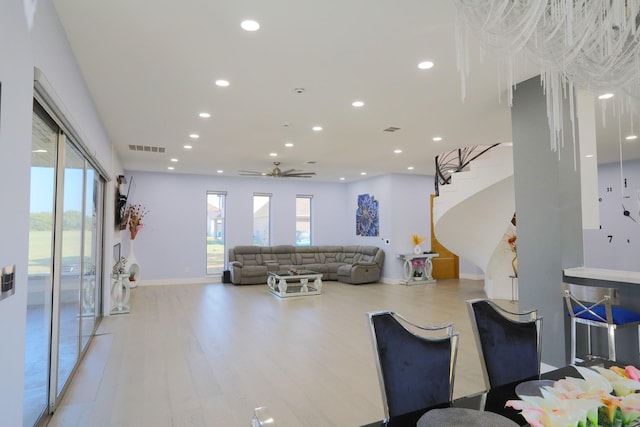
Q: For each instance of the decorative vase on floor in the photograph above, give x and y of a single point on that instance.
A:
(134, 267)
(514, 264)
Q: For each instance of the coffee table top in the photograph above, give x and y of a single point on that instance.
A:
(294, 273)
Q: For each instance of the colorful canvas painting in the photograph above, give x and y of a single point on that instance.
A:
(367, 223)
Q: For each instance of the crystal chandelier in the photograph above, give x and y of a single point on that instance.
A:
(577, 44)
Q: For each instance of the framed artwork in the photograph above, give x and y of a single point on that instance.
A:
(367, 221)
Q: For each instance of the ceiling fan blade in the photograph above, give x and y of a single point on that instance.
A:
(301, 174)
(250, 172)
(287, 172)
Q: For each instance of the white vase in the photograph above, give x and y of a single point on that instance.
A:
(134, 267)
(417, 250)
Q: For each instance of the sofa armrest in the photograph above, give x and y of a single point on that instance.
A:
(235, 264)
(365, 264)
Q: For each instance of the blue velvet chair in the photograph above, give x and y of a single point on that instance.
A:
(596, 306)
(416, 364)
(509, 343)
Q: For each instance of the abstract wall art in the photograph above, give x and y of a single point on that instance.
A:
(367, 221)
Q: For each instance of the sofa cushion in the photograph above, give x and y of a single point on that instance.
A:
(351, 254)
(307, 255)
(248, 255)
(329, 254)
(284, 254)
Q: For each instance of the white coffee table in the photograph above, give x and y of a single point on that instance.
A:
(304, 283)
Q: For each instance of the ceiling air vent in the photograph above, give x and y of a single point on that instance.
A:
(391, 129)
(146, 148)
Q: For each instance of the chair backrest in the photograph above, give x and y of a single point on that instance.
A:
(415, 371)
(590, 302)
(262, 418)
(509, 343)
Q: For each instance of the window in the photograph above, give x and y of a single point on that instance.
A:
(216, 224)
(262, 219)
(303, 220)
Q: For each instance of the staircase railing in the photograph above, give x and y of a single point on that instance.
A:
(455, 161)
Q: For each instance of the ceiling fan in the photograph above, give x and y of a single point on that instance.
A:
(278, 173)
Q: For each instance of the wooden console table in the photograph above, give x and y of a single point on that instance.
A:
(422, 274)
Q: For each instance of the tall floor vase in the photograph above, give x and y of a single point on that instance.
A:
(134, 267)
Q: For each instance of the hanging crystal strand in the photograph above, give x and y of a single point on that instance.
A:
(621, 168)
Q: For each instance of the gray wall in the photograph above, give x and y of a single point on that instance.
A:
(43, 46)
(171, 245)
(549, 214)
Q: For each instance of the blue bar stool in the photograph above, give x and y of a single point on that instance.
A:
(596, 306)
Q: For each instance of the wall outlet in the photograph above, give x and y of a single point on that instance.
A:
(8, 278)
(7, 281)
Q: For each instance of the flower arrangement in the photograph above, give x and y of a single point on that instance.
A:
(417, 263)
(602, 397)
(511, 241)
(133, 217)
(417, 239)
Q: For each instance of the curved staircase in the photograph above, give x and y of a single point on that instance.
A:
(473, 213)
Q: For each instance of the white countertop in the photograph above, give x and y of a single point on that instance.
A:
(604, 274)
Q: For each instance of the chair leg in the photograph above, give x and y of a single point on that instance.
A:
(612, 343)
(573, 341)
(639, 338)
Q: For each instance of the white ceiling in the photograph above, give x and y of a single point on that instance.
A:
(151, 68)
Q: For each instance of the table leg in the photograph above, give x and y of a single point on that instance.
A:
(318, 284)
(282, 286)
(428, 268)
(304, 283)
(407, 270)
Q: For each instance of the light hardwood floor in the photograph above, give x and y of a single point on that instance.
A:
(206, 355)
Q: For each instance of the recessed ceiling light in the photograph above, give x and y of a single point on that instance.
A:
(187, 147)
(605, 96)
(222, 83)
(588, 156)
(631, 137)
(220, 171)
(273, 154)
(363, 173)
(194, 136)
(171, 168)
(250, 25)
(317, 128)
(205, 115)
(397, 151)
(39, 151)
(342, 178)
(410, 168)
(437, 138)
(425, 65)
(357, 104)
(289, 144)
(174, 160)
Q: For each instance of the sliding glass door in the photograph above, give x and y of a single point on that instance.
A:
(40, 271)
(65, 263)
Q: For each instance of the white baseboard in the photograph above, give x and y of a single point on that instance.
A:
(472, 276)
(546, 368)
(189, 281)
(390, 281)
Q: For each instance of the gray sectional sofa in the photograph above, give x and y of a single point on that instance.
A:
(350, 264)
